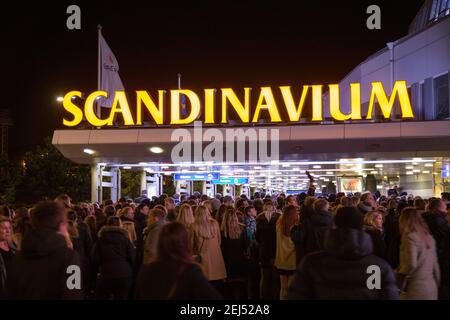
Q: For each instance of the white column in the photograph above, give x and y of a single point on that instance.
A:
(94, 182)
(143, 181)
(114, 182)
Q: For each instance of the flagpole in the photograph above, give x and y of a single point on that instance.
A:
(99, 70)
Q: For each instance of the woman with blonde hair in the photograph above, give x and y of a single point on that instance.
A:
(186, 217)
(234, 248)
(418, 269)
(373, 226)
(207, 240)
(285, 258)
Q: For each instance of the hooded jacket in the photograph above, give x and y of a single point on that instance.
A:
(341, 271)
(114, 254)
(40, 270)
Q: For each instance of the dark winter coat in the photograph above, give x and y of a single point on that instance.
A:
(379, 245)
(234, 253)
(438, 226)
(4, 268)
(392, 238)
(310, 234)
(158, 279)
(340, 271)
(114, 254)
(39, 270)
(266, 237)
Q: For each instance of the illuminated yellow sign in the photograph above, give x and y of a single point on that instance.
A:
(153, 109)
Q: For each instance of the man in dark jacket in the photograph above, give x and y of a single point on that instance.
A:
(266, 238)
(343, 269)
(310, 234)
(44, 268)
(436, 219)
(114, 255)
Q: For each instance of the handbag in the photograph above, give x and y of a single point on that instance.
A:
(198, 257)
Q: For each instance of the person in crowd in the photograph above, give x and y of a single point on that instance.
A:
(373, 225)
(156, 220)
(220, 213)
(40, 271)
(215, 205)
(436, 219)
(186, 217)
(7, 251)
(22, 226)
(340, 270)
(91, 222)
(258, 204)
(169, 203)
(254, 275)
(285, 259)
(173, 275)
(266, 238)
(127, 217)
(419, 204)
(228, 200)
(419, 269)
(114, 257)
(365, 206)
(140, 223)
(65, 200)
(234, 251)
(369, 199)
(100, 218)
(291, 200)
(207, 241)
(392, 232)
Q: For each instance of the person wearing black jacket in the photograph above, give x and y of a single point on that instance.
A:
(173, 275)
(266, 238)
(40, 271)
(373, 225)
(114, 255)
(342, 269)
(310, 234)
(436, 219)
(234, 247)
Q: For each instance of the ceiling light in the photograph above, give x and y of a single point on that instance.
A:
(156, 150)
(88, 151)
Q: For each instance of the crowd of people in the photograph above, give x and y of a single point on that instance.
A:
(274, 247)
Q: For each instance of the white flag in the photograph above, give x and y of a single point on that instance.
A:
(110, 80)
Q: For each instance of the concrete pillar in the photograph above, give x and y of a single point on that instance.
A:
(119, 183)
(94, 182)
(114, 187)
(418, 185)
(371, 183)
(143, 181)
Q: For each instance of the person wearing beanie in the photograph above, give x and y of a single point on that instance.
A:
(341, 270)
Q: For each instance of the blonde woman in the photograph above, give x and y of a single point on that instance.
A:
(186, 217)
(373, 225)
(234, 248)
(418, 269)
(207, 240)
(285, 259)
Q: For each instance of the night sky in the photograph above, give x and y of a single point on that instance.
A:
(216, 45)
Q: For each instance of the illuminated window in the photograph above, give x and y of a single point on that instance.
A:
(441, 97)
(433, 10)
